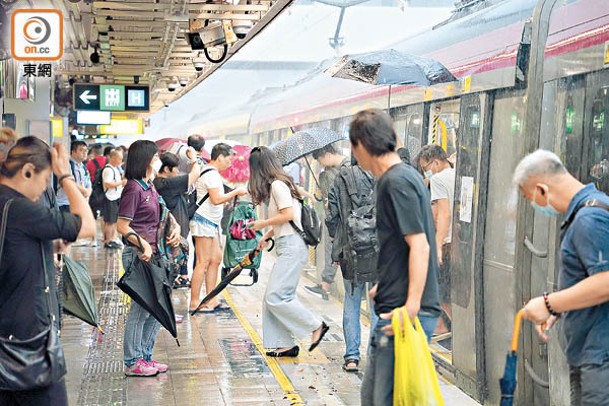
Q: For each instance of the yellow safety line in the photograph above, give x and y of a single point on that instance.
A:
(282, 379)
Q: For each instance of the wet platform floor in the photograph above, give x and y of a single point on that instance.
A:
(220, 360)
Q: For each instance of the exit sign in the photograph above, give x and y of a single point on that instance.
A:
(111, 97)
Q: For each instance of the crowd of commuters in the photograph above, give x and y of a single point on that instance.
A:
(387, 226)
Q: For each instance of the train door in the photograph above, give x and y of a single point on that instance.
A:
(443, 130)
(409, 127)
(467, 240)
(595, 157)
(498, 274)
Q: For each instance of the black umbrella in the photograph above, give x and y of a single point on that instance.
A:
(78, 295)
(148, 284)
(304, 143)
(245, 262)
(390, 67)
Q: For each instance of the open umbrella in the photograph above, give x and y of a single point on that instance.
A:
(390, 67)
(239, 171)
(78, 292)
(304, 143)
(245, 262)
(148, 284)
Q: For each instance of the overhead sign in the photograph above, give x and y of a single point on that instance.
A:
(122, 127)
(111, 97)
(93, 117)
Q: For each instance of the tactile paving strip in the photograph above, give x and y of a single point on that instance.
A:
(103, 382)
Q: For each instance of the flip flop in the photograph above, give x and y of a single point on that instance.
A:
(221, 306)
(203, 309)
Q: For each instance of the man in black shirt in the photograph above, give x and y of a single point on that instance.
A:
(405, 226)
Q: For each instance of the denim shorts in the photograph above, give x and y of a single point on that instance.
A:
(202, 227)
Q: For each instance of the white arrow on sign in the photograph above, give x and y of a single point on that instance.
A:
(85, 97)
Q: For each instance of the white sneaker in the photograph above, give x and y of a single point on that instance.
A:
(119, 243)
(93, 242)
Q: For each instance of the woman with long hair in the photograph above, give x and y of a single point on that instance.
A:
(28, 298)
(139, 213)
(284, 318)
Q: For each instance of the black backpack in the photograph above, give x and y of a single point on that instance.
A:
(360, 223)
(96, 200)
(193, 203)
(311, 225)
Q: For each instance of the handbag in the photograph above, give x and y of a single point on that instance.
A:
(36, 362)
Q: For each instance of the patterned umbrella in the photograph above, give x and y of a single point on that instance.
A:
(304, 143)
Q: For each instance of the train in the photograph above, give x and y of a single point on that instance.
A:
(529, 74)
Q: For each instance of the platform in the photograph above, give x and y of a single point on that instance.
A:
(220, 360)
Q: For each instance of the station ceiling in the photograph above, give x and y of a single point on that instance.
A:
(145, 40)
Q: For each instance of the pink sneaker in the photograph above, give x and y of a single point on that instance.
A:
(141, 368)
(160, 367)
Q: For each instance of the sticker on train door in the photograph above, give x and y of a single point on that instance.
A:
(607, 53)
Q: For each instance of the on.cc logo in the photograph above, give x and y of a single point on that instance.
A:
(37, 30)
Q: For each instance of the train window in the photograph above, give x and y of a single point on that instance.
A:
(598, 141)
(570, 121)
(444, 126)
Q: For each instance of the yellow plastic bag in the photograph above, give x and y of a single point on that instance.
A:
(415, 382)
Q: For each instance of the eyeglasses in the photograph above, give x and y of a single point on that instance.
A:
(426, 167)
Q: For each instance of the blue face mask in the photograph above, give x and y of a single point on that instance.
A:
(547, 210)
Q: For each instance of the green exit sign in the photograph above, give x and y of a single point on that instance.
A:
(112, 97)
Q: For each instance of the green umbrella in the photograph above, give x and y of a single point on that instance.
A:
(78, 292)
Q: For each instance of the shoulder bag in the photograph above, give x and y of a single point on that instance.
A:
(36, 362)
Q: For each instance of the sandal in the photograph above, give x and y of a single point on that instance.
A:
(348, 362)
(292, 352)
(221, 306)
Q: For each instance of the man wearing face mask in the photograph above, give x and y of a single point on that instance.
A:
(583, 280)
(441, 175)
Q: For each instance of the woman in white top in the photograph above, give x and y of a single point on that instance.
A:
(284, 318)
(205, 227)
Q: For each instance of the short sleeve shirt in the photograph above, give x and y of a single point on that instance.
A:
(140, 204)
(173, 192)
(281, 198)
(403, 208)
(584, 251)
(210, 180)
(112, 174)
(23, 302)
(442, 186)
(81, 176)
(101, 160)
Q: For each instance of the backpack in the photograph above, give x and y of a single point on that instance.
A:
(361, 247)
(191, 199)
(311, 225)
(96, 200)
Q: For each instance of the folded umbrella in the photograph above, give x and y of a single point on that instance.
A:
(148, 284)
(78, 292)
(508, 382)
(245, 262)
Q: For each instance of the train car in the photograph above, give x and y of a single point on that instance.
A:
(482, 121)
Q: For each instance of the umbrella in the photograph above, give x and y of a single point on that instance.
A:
(239, 171)
(390, 67)
(508, 382)
(78, 292)
(148, 284)
(245, 262)
(304, 143)
(165, 144)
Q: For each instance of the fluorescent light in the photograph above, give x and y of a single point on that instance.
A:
(93, 117)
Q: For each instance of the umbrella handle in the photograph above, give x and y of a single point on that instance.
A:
(139, 240)
(516, 333)
(272, 244)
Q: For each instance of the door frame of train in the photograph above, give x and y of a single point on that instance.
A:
(540, 26)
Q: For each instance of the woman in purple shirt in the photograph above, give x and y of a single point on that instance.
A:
(139, 212)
